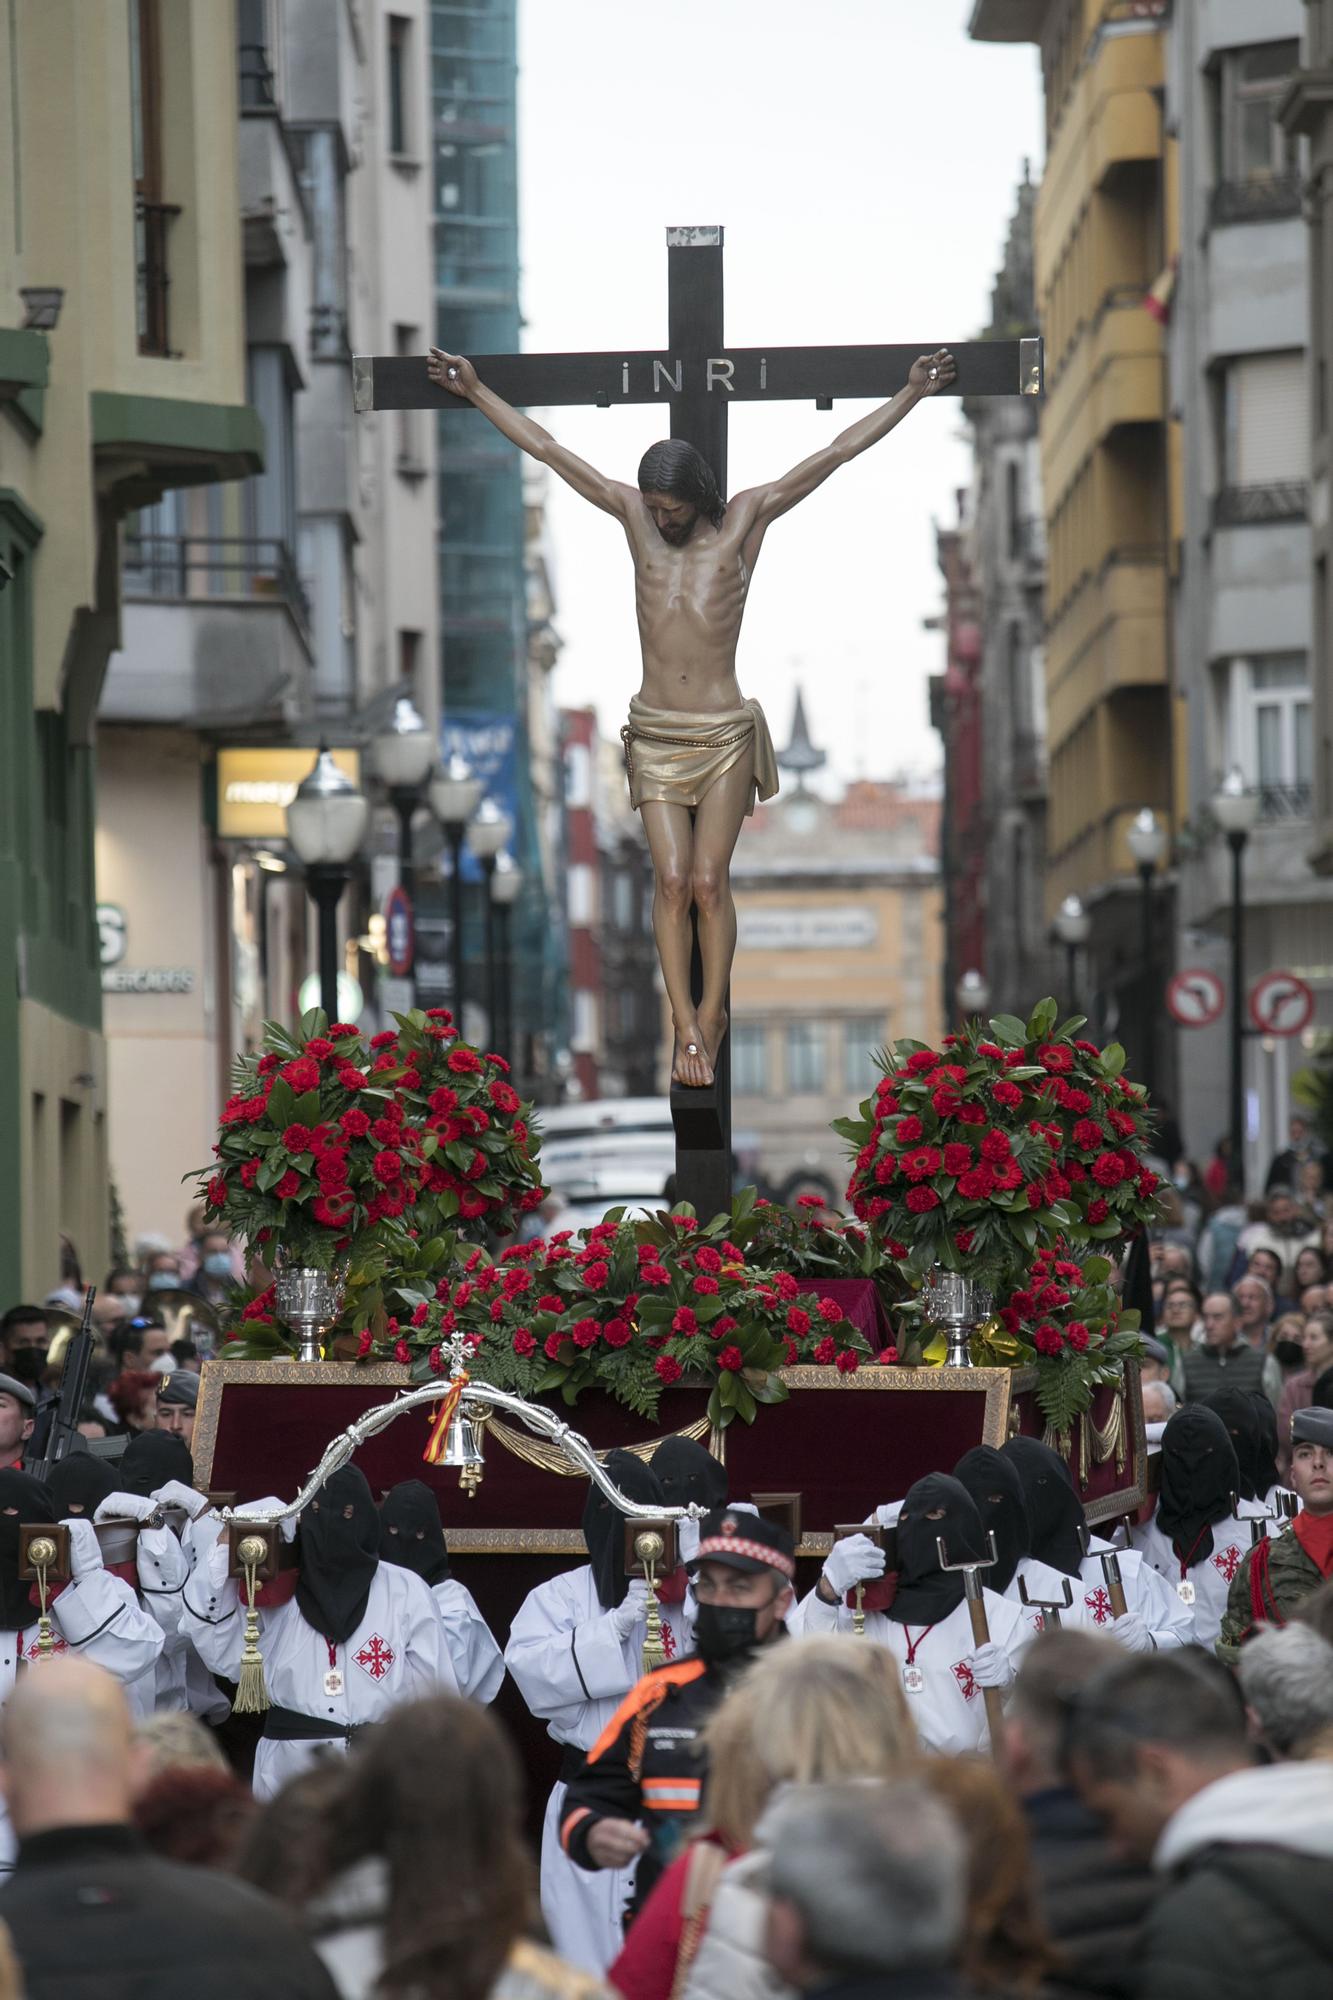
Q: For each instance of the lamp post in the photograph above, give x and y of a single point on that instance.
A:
(1147, 844)
(404, 756)
(455, 793)
(488, 832)
(506, 884)
(1073, 927)
(326, 824)
(972, 994)
(1236, 808)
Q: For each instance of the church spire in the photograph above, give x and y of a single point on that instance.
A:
(800, 755)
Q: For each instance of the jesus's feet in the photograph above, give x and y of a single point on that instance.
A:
(690, 1064)
(713, 1028)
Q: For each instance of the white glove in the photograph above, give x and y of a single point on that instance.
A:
(634, 1609)
(991, 1667)
(1133, 1633)
(855, 1559)
(85, 1551)
(125, 1507)
(287, 1528)
(687, 1541)
(177, 1494)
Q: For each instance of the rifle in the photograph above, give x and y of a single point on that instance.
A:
(63, 1427)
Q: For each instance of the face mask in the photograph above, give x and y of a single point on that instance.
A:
(725, 1632)
(217, 1265)
(1289, 1353)
(1181, 1181)
(162, 1281)
(132, 1302)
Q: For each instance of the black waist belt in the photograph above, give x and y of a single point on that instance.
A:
(572, 1760)
(288, 1725)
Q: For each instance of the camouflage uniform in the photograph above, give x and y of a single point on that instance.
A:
(1285, 1577)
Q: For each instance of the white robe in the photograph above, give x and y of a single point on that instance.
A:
(397, 1653)
(949, 1711)
(1146, 1593)
(100, 1617)
(1211, 1578)
(478, 1663)
(573, 1671)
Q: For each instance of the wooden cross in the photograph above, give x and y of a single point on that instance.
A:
(696, 377)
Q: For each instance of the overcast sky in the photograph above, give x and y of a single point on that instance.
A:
(862, 156)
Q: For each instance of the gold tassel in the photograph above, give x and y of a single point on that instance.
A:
(251, 1689)
(41, 1554)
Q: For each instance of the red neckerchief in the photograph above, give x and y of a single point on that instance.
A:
(1314, 1532)
(878, 1594)
(671, 1589)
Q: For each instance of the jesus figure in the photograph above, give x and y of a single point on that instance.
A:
(697, 754)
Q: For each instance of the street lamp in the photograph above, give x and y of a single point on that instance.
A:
(487, 833)
(1147, 844)
(455, 793)
(972, 994)
(506, 883)
(1073, 927)
(326, 824)
(404, 756)
(1236, 808)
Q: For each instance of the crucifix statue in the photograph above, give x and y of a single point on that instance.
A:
(697, 753)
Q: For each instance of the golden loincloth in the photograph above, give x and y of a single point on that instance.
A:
(678, 755)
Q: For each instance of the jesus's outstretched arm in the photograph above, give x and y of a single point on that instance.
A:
(457, 374)
(763, 504)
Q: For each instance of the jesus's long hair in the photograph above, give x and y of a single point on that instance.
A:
(676, 468)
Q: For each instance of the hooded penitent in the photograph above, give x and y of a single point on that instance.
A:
(21, 1500)
(150, 1460)
(687, 1472)
(80, 1483)
(339, 1555)
(604, 1524)
(411, 1534)
(926, 1593)
(1055, 1512)
(1251, 1421)
(994, 1484)
(1199, 1479)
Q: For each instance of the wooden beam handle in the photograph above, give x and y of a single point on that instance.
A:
(976, 1611)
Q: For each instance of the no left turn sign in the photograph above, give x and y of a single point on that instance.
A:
(1281, 1004)
(1195, 998)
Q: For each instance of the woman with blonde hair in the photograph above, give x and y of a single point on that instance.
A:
(813, 1711)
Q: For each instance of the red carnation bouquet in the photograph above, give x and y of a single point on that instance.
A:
(631, 1307)
(1012, 1140)
(336, 1153)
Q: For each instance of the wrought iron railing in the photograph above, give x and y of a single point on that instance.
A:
(256, 78)
(1266, 198)
(184, 567)
(1274, 500)
(154, 283)
(1284, 801)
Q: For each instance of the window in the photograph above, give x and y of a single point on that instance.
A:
(749, 1069)
(862, 1034)
(1266, 422)
(622, 899)
(407, 341)
(255, 51)
(1254, 146)
(580, 900)
(805, 1056)
(152, 213)
(399, 84)
(409, 656)
(1013, 509)
(1272, 734)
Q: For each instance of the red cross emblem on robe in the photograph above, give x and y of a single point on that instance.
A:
(1099, 1604)
(962, 1673)
(375, 1657)
(1227, 1560)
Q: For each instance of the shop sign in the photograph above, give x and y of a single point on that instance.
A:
(255, 788)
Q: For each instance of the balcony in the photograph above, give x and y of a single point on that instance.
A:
(1256, 506)
(1113, 377)
(1265, 199)
(1285, 802)
(215, 633)
(1110, 635)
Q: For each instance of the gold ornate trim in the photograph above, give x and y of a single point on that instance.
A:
(564, 1542)
(549, 1457)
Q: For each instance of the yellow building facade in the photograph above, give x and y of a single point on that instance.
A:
(122, 375)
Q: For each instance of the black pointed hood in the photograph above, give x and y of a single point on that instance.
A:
(411, 1534)
(1251, 1421)
(687, 1472)
(1055, 1512)
(993, 1481)
(604, 1524)
(80, 1483)
(1199, 1479)
(926, 1593)
(338, 1556)
(30, 1500)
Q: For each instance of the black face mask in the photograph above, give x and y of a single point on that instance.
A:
(1055, 1511)
(80, 1483)
(725, 1632)
(926, 1593)
(687, 1472)
(994, 1484)
(1251, 1422)
(1290, 1354)
(1199, 1479)
(31, 1502)
(339, 1557)
(604, 1524)
(410, 1531)
(151, 1459)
